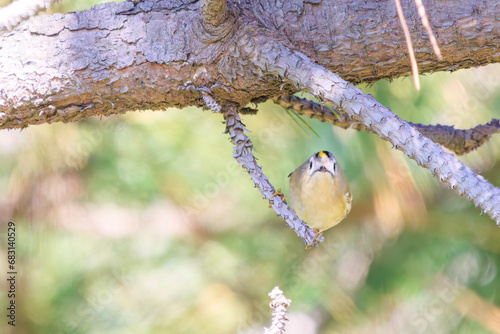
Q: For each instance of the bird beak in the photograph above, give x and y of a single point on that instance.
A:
(323, 169)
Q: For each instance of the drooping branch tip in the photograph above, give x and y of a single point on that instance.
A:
(279, 304)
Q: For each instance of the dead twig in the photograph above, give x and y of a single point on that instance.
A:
(425, 22)
(409, 44)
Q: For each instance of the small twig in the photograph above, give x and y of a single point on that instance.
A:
(409, 44)
(457, 140)
(20, 10)
(279, 304)
(428, 28)
(243, 154)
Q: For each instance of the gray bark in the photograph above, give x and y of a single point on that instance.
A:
(119, 57)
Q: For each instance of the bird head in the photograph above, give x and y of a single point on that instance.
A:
(322, 162)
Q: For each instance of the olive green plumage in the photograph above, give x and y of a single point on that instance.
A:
(319, 192)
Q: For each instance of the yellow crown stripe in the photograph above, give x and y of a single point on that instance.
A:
(322, 154)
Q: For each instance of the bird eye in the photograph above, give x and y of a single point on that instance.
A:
(334, 165)
(310, 164)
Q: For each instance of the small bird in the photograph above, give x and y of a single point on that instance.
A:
(319, 192)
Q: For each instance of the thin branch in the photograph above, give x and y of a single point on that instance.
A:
(409, 44)
(457, 140)
(20, 10)
(243, 154)
(211, 103)
(279, 305)
(425, 22)
(306, 74)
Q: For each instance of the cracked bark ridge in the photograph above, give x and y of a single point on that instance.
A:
(214, 12)
(459, 141)
(243, 154)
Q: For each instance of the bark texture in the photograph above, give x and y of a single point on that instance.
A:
(364, 41)
(214, 12)
(156, 54)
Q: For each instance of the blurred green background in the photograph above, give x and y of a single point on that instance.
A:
(144, 223)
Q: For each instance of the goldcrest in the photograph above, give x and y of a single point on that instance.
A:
(319, 192)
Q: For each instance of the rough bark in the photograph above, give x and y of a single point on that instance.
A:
(364, 41)
(152, 55)
(214, 12)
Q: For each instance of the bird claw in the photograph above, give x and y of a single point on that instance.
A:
(318, 234)
(280, 194)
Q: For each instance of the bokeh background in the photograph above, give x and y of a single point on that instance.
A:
(144, 223)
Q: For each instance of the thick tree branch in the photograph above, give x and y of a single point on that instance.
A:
(362, 41)
(457, 140)
(364, 108)
(243, 154)
(155, 54)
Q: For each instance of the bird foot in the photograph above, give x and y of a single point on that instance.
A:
(280, 194)
(318, 234)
